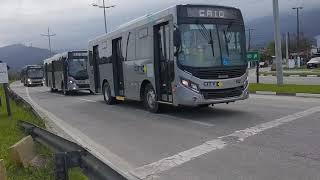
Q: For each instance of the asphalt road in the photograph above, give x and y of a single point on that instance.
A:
(263, 138)
(286, 80)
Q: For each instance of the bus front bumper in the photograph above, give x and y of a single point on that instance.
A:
(187, 97)
(78, 87)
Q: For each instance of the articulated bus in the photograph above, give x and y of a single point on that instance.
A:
(186, 55)
(32, 75)
(67, 72)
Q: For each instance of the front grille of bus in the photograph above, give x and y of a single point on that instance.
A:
(222, 93)
(219, 73)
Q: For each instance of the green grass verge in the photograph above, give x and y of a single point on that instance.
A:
(288, 88)
(10, 133)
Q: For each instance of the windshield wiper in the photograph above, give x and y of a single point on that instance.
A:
(207, 35)
(227, 38)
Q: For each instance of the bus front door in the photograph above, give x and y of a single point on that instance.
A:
(163, 65)
(117, 59)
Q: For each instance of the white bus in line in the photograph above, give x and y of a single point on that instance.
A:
(67, 72)
(190, 55)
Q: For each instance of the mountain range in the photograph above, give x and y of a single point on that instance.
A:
(263, 28)
(18, 55)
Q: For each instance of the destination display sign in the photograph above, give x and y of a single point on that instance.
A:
(80, 54)
(213, 12)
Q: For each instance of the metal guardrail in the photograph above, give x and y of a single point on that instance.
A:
(69, 155)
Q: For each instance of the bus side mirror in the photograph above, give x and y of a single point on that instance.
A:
(177, 40)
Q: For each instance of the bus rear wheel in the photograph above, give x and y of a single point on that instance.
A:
(107, 94)
(150, 99)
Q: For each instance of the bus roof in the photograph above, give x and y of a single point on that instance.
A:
(148, 18)
(64, 54)
(32, 66)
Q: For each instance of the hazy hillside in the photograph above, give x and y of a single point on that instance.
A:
(17, 56)
(264, 26)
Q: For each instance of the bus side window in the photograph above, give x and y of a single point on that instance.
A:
(143, 44)
(131, 47)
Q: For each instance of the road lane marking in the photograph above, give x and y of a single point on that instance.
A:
(153, 170)
(87, 100)
(188, 120)
(102, 153)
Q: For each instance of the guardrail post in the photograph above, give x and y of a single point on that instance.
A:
(64, 161)
(61, 169)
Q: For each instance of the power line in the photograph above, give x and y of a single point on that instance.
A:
(48, 35)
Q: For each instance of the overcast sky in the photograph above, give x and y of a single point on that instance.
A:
(75, 21)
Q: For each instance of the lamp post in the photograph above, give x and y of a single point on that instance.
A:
(104, 12)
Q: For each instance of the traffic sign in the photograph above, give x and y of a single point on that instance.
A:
(3, 73)
(253, 56)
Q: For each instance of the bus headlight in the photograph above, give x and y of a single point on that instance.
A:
(189, 84)
(29, 81)
(71, 81)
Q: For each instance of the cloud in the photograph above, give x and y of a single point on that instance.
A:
(75, 21)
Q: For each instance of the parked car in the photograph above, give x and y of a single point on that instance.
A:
(263, 64)
(313, 63)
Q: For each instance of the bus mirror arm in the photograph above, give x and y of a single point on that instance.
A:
(177, 40)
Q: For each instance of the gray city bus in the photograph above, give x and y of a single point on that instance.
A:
(188, 55)
(67, 72)
(32, 75)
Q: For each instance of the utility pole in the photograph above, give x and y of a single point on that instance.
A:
(104, 12)
(48, 35)
(277, 40)
(298, 29)
(287, 47)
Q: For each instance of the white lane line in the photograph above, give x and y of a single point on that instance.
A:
(188, 120)
(154, 169)
(87, 100)
(102, 153)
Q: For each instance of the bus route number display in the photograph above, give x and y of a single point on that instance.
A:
(3, 73)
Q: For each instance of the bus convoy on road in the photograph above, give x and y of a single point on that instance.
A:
(186, 55)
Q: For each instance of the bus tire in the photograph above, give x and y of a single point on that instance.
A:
(150, 99)
(107, 94)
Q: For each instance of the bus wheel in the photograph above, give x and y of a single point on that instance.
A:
(107, 94)
(150, 99)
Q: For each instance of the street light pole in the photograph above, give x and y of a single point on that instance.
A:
(48, 35)
(298, 29)
(105, 17)
(277, 40)
(104, 13)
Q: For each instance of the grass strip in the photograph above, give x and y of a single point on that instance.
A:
(10, 133)
(287, 88)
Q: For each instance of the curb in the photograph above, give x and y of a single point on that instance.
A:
(306, 95)
(291, 75)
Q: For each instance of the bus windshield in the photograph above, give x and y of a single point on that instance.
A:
(212, 45)
(35, 73)
(78, 68)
